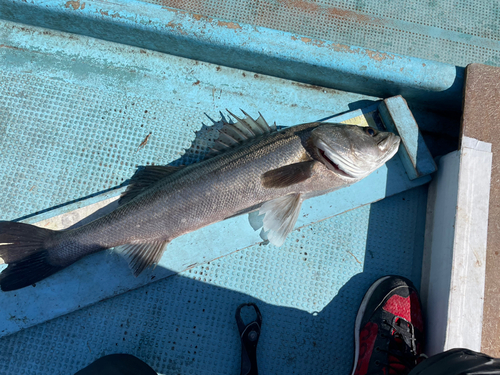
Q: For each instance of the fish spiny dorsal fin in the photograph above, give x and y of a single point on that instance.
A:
(143, 179)
(262, 121)
(259, 124)
(249, 123)
(227, 139)
(234, 134)
(241, 125)
(247, 128)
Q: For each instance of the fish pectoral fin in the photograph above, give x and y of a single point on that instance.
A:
(280, 217)
(144, 178)
(288, 175)
(142, 255)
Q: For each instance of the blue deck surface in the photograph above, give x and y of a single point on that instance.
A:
(79, 124)
(83, 106)
(308, 292)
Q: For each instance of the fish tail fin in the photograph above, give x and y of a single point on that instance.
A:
(23, 248)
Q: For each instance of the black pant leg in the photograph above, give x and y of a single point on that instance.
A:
(458, 362)
(117, 364)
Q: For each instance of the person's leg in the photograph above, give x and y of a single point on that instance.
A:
(458, 362)
(388, 328)
(117, 364)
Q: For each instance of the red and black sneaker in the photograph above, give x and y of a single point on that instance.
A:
(389, 328)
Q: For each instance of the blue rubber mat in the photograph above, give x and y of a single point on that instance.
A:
(308, 292)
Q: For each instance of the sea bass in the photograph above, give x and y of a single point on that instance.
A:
(255, 167)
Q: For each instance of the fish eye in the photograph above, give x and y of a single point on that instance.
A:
(371, 132)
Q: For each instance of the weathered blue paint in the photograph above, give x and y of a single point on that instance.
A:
(256, 49)
(113, 76)
(414, 153)
(81, 92)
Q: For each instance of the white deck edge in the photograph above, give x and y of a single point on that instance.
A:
(453, 271)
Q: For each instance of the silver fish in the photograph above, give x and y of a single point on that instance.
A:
(256, 168)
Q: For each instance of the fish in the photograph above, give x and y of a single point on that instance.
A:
(253, 167)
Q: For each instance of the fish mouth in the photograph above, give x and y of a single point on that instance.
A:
(331, 161)
(389, 145)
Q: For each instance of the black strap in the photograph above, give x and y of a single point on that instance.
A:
(249, 335)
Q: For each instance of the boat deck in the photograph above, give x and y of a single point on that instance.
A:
(83, 106)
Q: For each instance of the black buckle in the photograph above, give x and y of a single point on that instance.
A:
(249, 335)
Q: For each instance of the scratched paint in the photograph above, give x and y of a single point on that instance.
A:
(229, 25)
(375, 55)
(75, 5)
(257, 49)
(377, 23)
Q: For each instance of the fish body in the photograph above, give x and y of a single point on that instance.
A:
(257, 168)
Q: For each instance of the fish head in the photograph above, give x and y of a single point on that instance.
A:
(351, 151)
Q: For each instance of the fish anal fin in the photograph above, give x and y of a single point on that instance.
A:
(142, 255)
(280, 216)
(288, 175)
(143, 179)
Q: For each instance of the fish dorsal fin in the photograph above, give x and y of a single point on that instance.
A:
(142, 255)
(280, 217)
(288, 175)
(234, 134)
(144, 178)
